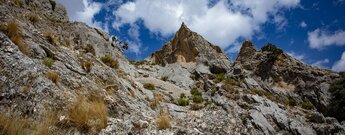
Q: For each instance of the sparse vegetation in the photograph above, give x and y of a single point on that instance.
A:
(183, 100)
(110, 61)
(149, 86)
(19, 3)
(163, 121)
(164, 78)
(16, 125)
(213, 90)
(156, 101)
(87, 65)
(307, 105)
(33, 19)
(50, 37)
(86, 113)
(136, 63)
(337, 103)
(48, 62)
(292, 102)
(196, 95)
(13, 32)
(196, 106)
(219, 78)
(10, 125)
(89, 49)
(42, 126)
(53, 76)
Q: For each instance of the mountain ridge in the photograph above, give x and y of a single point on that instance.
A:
(62, 77)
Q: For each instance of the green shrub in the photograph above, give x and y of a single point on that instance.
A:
(197, 98)
(213, 90)
(292, 102)
(110, 61)
(182, 101)
(337, 103)
(182, 95)
(164, 78)
(48, 62)
(219, 78)
(307, 105)
(194, 91)
(149, 86)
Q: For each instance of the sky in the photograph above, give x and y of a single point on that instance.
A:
(310, 30)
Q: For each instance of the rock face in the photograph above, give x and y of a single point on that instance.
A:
(59, 77)
(272, 66)
(190, 47)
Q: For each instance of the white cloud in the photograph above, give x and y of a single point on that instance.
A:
(303, 24)
(319, 39)
(84, 11)
(223, 23)
(321, 63)
(300, 57)
(340, 65)
(135, 44)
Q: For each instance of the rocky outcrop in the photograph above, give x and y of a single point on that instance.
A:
(190, 47)
(61, 77)
(285, 74)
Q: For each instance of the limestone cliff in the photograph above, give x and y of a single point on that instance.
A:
(62, 77)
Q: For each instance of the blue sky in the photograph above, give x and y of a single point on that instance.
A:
(310, 30)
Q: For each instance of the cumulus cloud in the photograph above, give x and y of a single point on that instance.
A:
(319, 39)
(340, 64)
(84, 11)
(222, 23)
(321, 63)
(303, 24)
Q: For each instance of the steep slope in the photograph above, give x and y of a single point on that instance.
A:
(290, 76)
(190, 47)
(62, 77)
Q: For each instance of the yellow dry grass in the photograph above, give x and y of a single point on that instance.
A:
(88, 113)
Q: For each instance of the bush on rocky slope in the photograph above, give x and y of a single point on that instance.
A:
(110, 61)
(337, 103)
(149, 86)
(163, 121)
(87, 113)
(13, 32)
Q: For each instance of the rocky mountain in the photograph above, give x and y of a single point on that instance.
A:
(62, 77)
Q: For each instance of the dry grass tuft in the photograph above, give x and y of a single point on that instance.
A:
(163, 121)
(87, 65)
(53, 76)
(42, 127)
(89, 49)
(110, 61)
(50, 37)
(88, 113)
(26, 89)
(13, 125)
(13, 32)
(33, 19)
(156, 101)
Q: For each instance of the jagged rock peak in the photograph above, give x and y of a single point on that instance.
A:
(190, 47)
(247, 50)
